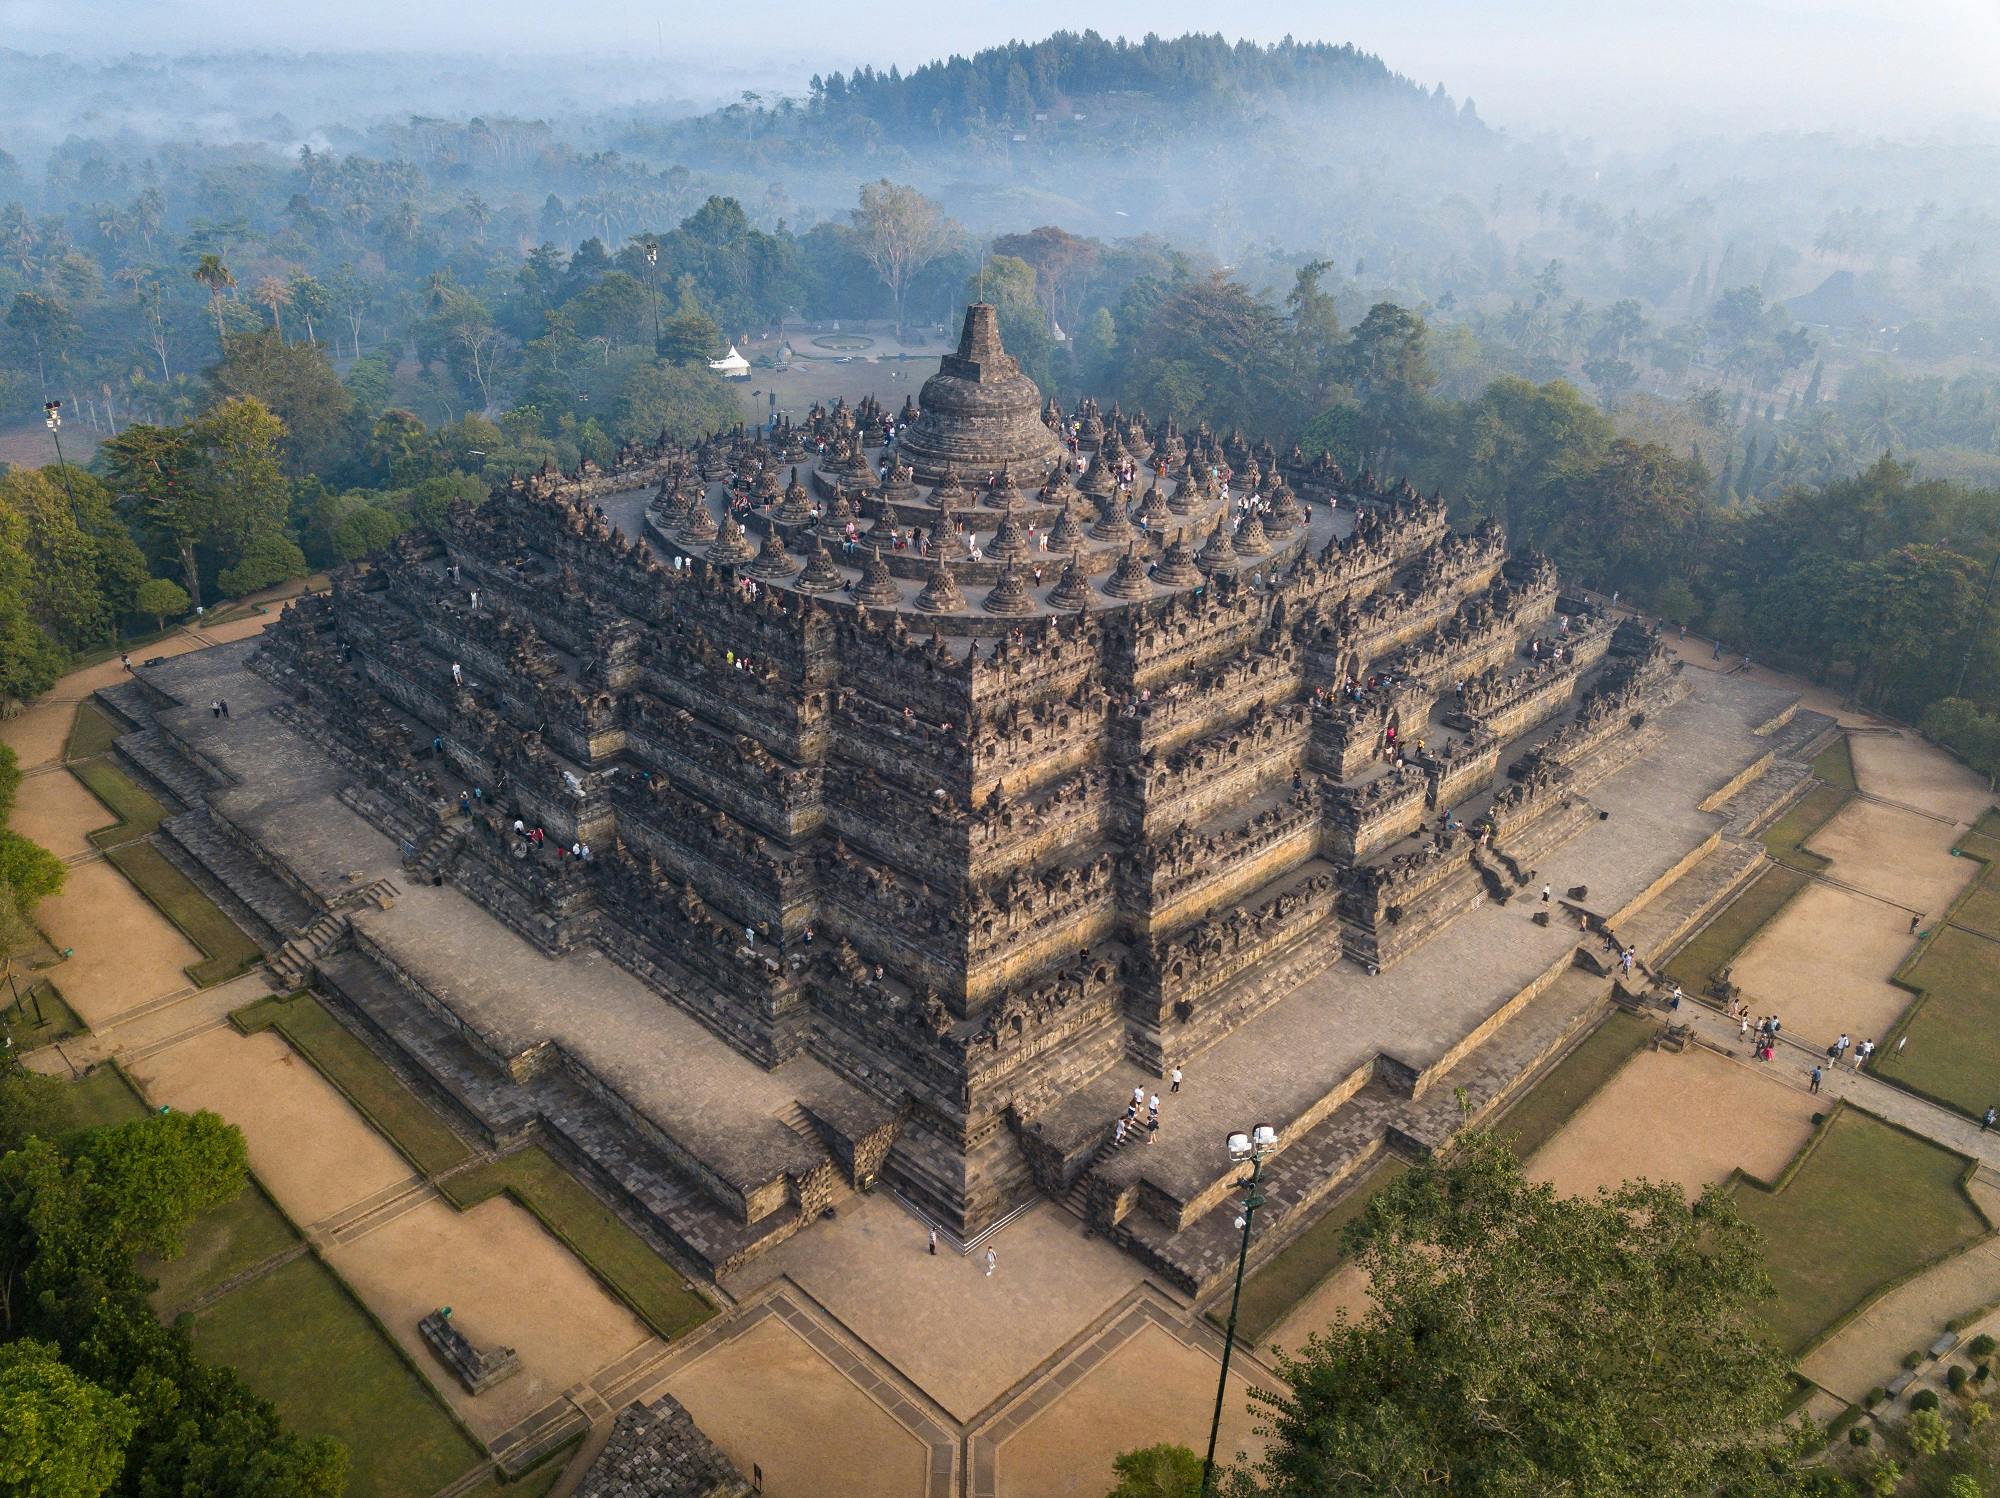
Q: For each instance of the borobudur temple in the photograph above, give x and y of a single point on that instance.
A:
(879, 798)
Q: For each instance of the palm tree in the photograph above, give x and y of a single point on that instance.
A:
(212, 273)
(274, 294)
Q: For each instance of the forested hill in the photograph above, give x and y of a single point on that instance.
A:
(1068, 92)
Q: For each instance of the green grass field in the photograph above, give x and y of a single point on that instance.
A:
(105, 1097)
(91, 732)
(221, 1244)
(298, 1339)
(1784, 838)
(1716, 945)
(1533, 1118)
(1835, 765)
(616, 1254)
(406, 1120)
(138, 814)
(1305, 1262)
(18, 1024)
(1953, 1041)
(229, 953)
(1867, 1205)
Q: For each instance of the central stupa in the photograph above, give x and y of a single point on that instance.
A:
(979, 413)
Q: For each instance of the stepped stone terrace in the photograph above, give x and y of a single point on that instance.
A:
(897, 792)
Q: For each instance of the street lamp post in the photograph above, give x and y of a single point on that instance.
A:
(653, 275)
(1253, 1147)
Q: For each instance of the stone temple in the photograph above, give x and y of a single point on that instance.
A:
(938, 792)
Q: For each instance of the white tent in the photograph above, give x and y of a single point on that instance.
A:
(731, 366)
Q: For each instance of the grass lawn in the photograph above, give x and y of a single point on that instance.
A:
(1299, 1269)
(105, 1097)
(1783, 838)
(221, 1243)
(1545, 1107)
(1953, 1052)
(229, 952)
(18, 1025)
(1835, 765)
(1715, 946)
(91, 732)
(300, 1341)
(1980, 909)
(138, 813)
(614, 1253)
(405, 1119)
(1867, 1205)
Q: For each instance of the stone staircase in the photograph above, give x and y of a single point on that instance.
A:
(801, 1123)
(213, 860)
(1077, 1199)
(440, 850)
(295, 960)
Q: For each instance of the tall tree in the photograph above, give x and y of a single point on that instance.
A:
(157, 474)
(1525, 1342)
(901, 232)
(212, 274)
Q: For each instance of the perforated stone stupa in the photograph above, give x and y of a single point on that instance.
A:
(896, 795)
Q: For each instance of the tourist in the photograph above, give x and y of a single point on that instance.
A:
(1862, 1052)
(457, 674)
(215, 707)
(1815, 1079)
(1986, 1118)
(1840, 1046)
(224, 704)
(1743, 1030)
(1674, 1000)
(125, 661)
(1152, 1128)
(1915, 920)
(1547, 890)
(1138, 1095)
(1174, 1080)
(933, 1243)
(1118, 1134)
(1153, 1106)
(992, 1258)
(464, 804)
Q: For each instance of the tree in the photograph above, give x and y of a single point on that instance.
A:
(276, 295)
(84, 569)
(29, 872)
(297, 383)
(45, 323)
(1527, 1342)
(216, 277)
(61, 1436)
(157, 475)
(313, 301)
(687, 404)
(30, 661)
(1163, 1471)
(241, 468)
(901, 231)
(160, 597)
(268, 557)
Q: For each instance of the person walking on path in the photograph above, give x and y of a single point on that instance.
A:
(1674, 1000)
(1174, 1081)
(1862, 1052)
(1840, 1046)
(1152, 1128)
(992, 1258)
(1743, 1030)
(1815, 1079)
(933, 1243)
(1153, 1106)
(1118, 1134)
(457, 674)
(1546, 891)
(1138, 1097)
(1986, 1119)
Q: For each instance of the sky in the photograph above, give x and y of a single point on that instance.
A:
(1612, 69)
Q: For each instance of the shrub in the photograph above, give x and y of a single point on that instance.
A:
(1981, 1372)
(1981, 1345)
(1924, 1399)
(1913, 1360)
(1956, 1375)
(1927, 1432)
(1843, 1420)
(1875, 1396)
(1861, 1435)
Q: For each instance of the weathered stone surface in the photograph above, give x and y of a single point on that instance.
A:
(657, 1451)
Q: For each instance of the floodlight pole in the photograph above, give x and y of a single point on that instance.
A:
(1250, 1205)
